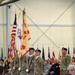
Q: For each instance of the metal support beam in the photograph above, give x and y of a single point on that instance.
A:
(7, 28)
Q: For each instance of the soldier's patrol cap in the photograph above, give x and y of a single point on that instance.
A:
(64, 49)
(37, 50)
(31, 49)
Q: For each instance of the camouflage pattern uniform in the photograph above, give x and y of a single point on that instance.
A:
(38, 66)
(27, 63)
(23, 65)
(31, 65)
(12, 64)
(65, 61)
(15, 65)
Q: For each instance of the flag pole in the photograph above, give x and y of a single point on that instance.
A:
(23, 30)
(23, 11)
(23, 17)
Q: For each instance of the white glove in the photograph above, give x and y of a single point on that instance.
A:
(14, 68)
(27, 70)
(19, 68)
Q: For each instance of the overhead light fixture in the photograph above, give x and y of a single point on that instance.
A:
(5, 2)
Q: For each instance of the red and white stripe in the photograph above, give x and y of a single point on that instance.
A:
(14, 29)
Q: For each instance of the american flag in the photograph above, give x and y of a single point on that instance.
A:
(12, 48)
(13, 34)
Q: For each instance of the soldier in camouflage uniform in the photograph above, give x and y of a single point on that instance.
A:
(31, 58)
(38, 63)
(15, 65)
(27, 65)
(12, 64)
(65, 61)
(22, 66)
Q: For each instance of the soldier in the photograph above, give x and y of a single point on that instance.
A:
(15, 65)
(38, 63)
(30, 69)
(65, 61)
(22, 66)
(12, 68)
(27, 65)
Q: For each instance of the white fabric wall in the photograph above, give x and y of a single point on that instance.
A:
(44, 13)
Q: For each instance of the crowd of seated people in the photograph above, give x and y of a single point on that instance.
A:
(52, 67)
(5, 68)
